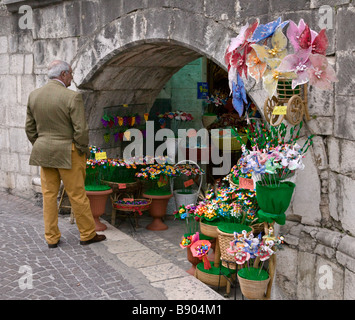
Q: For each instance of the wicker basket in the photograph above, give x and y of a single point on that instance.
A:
(224, 243)
(209, 230)
(211, 279)
(252, 289)
(285, 91)
(132, 207)
(118, 187)
(234, 185)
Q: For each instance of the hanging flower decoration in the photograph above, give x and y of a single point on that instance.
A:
(256, 67)
(239, 96)
(294, 33)
(250, 54)
(272, 75)
(299, 64)
(321, 74)
(264, 31)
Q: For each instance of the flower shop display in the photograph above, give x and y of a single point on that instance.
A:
(96, 190)
(183, 185)
(156, 179)
(273, 158)
(251, 253)
(260, 51)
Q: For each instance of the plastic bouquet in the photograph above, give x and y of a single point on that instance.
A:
(187, 214)
(251, 252)
(199, 249)
(273, 156)
(157, 177)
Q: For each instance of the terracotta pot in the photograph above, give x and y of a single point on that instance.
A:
(157, 211)
(98, 201)
(193, 260)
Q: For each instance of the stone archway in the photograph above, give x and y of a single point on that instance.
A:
(143, 49)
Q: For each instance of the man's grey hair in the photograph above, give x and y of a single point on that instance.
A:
(56, 68)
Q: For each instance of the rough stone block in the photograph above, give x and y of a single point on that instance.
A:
(349, 285)
(8, 91)
(306, 272)
(4, 139)
(321, 126)
(320, 102)
(9, 161)
(285, 5)
(345, 70)
(4, 64)
(320, 155)
(16, 63)
(341, 153)
(306, 198)
(341, 204)
(18, 140)
(344, 121)
(28, 64)
(345, 28)
(329, 280)
(3, 44)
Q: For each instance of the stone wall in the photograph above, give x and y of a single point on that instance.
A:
(125, 51)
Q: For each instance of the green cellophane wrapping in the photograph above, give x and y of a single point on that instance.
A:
(274, 200)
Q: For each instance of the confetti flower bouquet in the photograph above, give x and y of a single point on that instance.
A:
(200, 250)
(187, 214)
(156, 178)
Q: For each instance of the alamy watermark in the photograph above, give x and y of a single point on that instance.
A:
(325, 281)
(325, 17)
(26, 20)
(196, 143)
(26, 281)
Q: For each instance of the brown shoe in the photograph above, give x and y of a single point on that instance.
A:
(97, 238)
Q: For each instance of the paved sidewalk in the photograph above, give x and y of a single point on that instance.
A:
(129, 265)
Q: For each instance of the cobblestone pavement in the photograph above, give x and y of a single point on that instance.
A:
(141, 265)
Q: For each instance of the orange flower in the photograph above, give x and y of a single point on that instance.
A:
(256, 67)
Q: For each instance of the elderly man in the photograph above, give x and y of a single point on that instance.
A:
(57, 128)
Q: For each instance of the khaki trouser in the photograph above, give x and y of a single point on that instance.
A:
(74, 183)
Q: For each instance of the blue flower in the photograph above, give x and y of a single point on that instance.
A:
(239, 95)
(264, 31)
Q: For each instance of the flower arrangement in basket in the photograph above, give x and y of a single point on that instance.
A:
(132, 205)
(157, 178)
(273, 158)
(95, 171)
(120, 171)
(251, 253)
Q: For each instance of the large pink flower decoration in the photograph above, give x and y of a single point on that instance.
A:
(294, 32)
(321, 74)
(299, 64)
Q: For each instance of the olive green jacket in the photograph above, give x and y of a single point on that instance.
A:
(55, 119)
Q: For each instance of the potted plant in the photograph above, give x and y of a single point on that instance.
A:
(273, 158)
(183, 184)
(156, 187)
(251, 253)
(96, 190)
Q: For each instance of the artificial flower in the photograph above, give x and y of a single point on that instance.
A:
(299, 64)
(317, 45)
(239, 96)
(321, 74)
(256, 67)
(264, 31)
(272, 75)
(294, 33)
